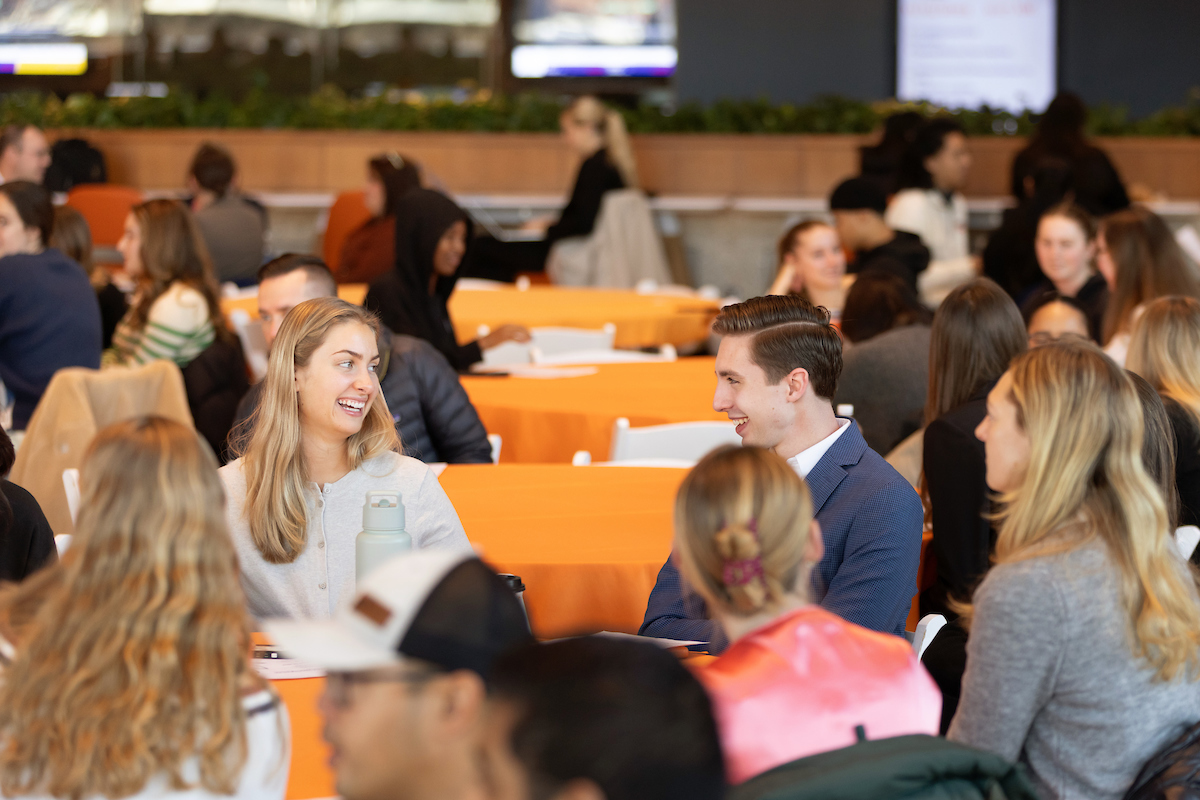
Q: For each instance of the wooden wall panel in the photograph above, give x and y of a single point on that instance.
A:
(517, 163)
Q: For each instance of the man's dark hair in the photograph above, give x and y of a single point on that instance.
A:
(625, 715)
(789, 333)
(213, 168)
(33, 204)
(314, 267)
(399, 176)
(13, 136)
(928, 141)
(858, 194)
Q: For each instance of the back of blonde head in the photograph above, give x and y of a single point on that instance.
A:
(136, 657)
(611, 126)
(1165, 350)
(272, 459)
(738, 506)
(1086, 479)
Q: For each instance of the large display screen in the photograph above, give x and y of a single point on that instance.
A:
(593, 38)
(969, 53)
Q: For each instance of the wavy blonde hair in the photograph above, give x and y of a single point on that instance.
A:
(740, 504)
(272, 459)
(1165, 350)
(611, 126)
(135, 660)
(1085, 479)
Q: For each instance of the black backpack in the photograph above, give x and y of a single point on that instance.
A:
(72, 162)
(1173, 773)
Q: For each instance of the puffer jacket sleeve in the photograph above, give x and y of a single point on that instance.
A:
(451, 423)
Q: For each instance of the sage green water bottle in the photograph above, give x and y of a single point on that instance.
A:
(383, 534)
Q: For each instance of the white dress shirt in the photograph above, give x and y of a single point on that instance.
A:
(804, 461)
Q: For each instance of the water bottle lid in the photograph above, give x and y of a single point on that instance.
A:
(513, 582)
(383, 511)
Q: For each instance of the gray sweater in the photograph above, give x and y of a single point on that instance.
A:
(886, 378)
(1052, 680)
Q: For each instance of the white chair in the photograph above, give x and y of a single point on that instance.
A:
(496, 442)
(254, 342)
(583, 458)
(623, 249)
(680, 440)
(71, 487)
(927, 628)
(1186, 539)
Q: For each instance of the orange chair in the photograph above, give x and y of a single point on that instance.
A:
(346, 215)
(926, 575)
(105, 207)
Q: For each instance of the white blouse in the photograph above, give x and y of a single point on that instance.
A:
(321, 578)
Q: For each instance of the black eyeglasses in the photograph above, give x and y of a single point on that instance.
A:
(1045, 337)
(337, 684)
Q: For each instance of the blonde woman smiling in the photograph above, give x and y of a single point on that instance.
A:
(321, 438)
(131, 674)
(1084, 648)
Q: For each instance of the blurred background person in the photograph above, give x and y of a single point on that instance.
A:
(881, 162)
(885, 370)
(72, 237)
(1140, 260)
(1094, 183)
(1051, 317)
(858, 208)
(24, 154)
(234, 228)
(1066, 255)
(596, 134)
(26, 540)
(812, 264)
(49, 315)
(158, 698)
(1010, 256)
(370, 251)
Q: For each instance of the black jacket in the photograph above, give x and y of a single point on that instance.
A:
(1010, 257)
(216, 382)
(1187, 463)
(912, 767)
(596, 176)
(904, 256)
(434, 416)
(402, 298)
(956, 478)
(1094, 182)
(26, 541)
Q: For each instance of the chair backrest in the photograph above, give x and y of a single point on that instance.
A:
(496, 442)
(1186, 539)
(71, 487)
(546, 343)
(76, 404)
(623, 249)
(679, 440)
(104, 206)
(347, 214)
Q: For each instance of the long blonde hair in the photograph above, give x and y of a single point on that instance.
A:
(1165, 350)
(611, 126)
(273, 461)
(135, 660)
(742, 520)
(1086, 479)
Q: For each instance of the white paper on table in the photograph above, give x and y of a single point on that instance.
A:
(665, 644)
(548, 373)
(283, 669)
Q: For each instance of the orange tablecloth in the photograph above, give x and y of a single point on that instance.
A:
(546, 421)
(641, 320)
(587, 541)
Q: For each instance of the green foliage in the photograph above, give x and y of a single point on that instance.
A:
(397, 110)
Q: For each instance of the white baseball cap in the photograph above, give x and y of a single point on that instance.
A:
(438, 605)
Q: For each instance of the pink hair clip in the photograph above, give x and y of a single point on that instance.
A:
(741, 571)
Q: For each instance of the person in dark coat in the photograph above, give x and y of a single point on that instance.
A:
(26, 541)
(434, 416)
(432, 236)
(596, 134)
(1095, 183)
(858, 206)
(880, 163)
(976, 332)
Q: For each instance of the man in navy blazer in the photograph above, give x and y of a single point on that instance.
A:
(777, 370)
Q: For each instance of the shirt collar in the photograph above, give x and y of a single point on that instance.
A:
(804, 461)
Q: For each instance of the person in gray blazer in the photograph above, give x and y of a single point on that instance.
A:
(434, 416)
(777, 372)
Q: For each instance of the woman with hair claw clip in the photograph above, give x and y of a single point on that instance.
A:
(796, 679)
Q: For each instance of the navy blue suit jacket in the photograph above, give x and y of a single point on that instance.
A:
(871, 520)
